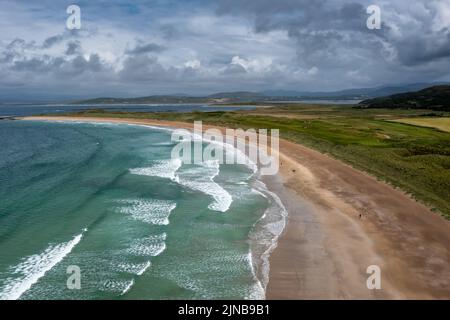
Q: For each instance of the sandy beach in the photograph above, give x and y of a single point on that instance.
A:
(341, 221)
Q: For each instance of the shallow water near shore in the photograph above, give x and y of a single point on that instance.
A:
(108, 199)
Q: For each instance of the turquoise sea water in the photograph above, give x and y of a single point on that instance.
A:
(108, 199)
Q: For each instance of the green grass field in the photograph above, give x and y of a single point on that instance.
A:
(413, 158)
(437, 123)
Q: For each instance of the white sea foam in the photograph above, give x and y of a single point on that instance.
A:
(144, 268)
(202, 179)
(34, 267)
(259, 290)
(259, 192)
(148, 126)
(118, 286)
(239, 156)
(163, 169)
(153, 211)
(150, 247)
(134, 268)
(128, 287)
(265, 234)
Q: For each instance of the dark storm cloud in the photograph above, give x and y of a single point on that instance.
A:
(142, 68)
(73, 47)
(294, 14)
(143, 48)
(322, 31)
(18, 45)
(424, 49)
(92, 64)
(319, 25)
(6, 57)
(67, 35)
(169, 31)
(51, 41)
(60, 66)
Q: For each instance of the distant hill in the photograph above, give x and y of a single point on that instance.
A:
(433, 98)
(358, 93)
(175, 99)
(263, 96)
(240, 95)
(222, 97)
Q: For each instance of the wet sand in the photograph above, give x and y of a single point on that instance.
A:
(341, 221)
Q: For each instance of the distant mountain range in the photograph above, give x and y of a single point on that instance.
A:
(353, 93)
(435, 98)
(265, 96)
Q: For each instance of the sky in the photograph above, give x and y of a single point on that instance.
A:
(197, 47)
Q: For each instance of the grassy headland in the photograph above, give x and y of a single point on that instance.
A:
(413, 158)
(432, 98)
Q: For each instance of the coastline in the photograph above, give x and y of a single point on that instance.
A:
(341, 221)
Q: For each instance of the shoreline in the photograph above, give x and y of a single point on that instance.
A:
(340, 222)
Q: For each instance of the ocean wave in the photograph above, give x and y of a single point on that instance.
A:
(150, 246)
(198, 178)
(258, 291)
(220, 270)
(127, 287)
(153, 211)
(118, 286)
(239, 156)
(34, 267)
(265, 234)
(163, 169)
(202, 179)
(134, 268)
(148, 126)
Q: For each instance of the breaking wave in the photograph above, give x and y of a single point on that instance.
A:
(34, 267)
(163, 169)
(154, 212)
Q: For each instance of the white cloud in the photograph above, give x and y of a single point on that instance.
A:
(193, 64)
(257, 65)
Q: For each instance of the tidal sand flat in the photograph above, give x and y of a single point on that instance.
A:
(108, 198)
